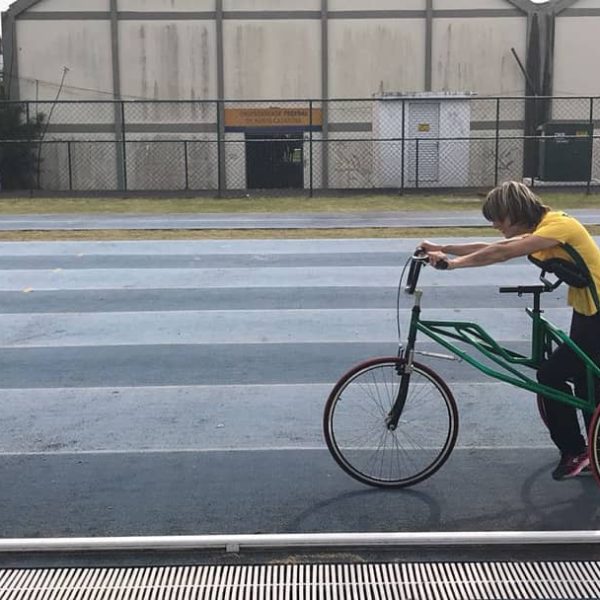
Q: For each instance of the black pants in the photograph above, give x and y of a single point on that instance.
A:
(563, 364)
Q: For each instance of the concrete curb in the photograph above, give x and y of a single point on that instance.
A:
(189, 221)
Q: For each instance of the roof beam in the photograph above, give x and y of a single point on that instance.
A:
(20, 6)
(554, 7)
(561, 5)
(522, 5)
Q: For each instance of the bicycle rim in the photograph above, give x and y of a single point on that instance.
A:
(594, 444)
(359, 439)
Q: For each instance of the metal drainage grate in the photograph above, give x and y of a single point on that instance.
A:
(389, 581)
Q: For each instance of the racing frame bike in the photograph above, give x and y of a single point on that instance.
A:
(393, 422)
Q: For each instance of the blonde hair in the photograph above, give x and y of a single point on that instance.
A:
(516, 201)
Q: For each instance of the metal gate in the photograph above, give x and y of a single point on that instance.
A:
(274, 161)
(423, 147)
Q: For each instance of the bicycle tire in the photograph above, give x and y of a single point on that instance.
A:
(594, 444)
(355, 414)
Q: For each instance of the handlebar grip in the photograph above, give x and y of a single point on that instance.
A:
(525, 289)
(413, 277)
(441, 265)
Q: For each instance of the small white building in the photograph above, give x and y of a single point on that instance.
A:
(419, 153)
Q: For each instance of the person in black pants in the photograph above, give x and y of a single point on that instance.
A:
(563, 366)
(532, 229)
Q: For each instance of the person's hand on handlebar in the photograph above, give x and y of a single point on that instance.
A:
(428, 246)
(439, 260)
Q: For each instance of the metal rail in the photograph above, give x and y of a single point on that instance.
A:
(235, 543)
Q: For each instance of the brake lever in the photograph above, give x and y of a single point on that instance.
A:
(421, 256)
(418, 260)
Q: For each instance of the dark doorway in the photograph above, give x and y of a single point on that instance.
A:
(274, 160)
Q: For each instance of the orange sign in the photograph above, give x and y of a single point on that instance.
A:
(272, 117)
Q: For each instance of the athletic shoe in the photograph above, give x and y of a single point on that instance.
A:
(570, 466)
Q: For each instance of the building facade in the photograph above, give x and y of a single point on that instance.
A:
(214, 74)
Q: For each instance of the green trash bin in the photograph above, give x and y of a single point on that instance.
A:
(566, 151)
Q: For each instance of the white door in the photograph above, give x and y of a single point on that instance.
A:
(422, 143)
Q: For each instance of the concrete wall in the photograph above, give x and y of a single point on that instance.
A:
(266, 59)
(276, 49)
(355, 5)
(277, 5)
(474, 54)
(68, 5)
(235, 161)
(470, 5)
(170, 6)
(83, 165)
(583, 4)
(395, 59)
(576, 52)
(350, 160)
(168, 60)
(81, 46)
(273, 48)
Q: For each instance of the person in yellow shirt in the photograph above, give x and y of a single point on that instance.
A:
(533, 229)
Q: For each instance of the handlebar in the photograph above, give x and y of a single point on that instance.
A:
(535, 290)
(526, 289)
(418, 259)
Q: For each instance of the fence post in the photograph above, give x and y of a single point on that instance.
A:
(402, 147)
(497, 151)
(185, 162)
(417, 163)
(325, 144)
(219, 149)
(70, 165)
(310, 147)
(124, 142)
(535, 145)
(591, 138)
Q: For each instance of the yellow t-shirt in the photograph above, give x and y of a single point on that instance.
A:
(557, 225)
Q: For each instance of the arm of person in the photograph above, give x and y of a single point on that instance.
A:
(500, 252)
(461, 249)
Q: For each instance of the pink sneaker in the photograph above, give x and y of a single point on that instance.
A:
(571, 466)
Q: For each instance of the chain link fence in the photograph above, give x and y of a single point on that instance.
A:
(390, 142)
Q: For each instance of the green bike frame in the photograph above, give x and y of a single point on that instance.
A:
(544, 337)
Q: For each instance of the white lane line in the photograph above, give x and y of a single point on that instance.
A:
(203, 388)
(39, 330)
(220, 247)
(226, 450)
(280, 277)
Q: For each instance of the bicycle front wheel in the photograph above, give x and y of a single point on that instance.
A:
(356, 430)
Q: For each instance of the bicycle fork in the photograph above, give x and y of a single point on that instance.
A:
(404, 368)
